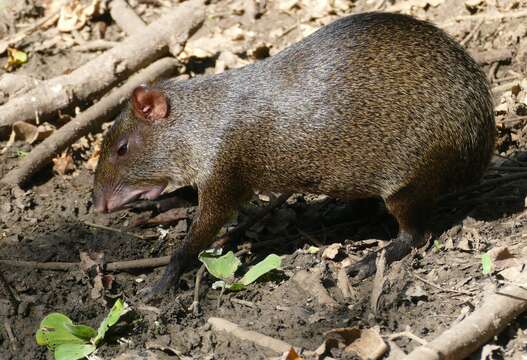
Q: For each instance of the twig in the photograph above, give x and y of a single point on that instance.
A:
(458, 342)
(471, 34)
(107, 228)
(113, 266)
(194, 307)
(138, 264)
(459, 292)
(243, 302)
(409, 335)
(125, 17)
(220, 297)
(12, 338)
(107, 69)
(219, 324)
(9, 292)
(87, 121)
(95, 45)
(40, 265)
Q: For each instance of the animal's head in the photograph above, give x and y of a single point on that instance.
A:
(135, 160)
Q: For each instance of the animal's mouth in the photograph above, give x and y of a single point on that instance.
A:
(117, 201)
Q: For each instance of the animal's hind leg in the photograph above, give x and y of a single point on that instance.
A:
(411, 211)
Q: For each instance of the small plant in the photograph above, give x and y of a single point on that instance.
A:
(438, 245)
(69, 341)
(486, 263)
(223, 268)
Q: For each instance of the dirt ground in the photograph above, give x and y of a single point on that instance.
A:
(52, 220)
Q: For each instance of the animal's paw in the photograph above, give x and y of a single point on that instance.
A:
(363, 268)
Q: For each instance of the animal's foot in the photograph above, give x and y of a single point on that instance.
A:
(170, 278)
(396, 250)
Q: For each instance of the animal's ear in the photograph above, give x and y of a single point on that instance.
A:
(149, 104)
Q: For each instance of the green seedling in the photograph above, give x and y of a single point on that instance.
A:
(223, 268)
(69, 341)
(312, 250)
(486, 263)
(438, 245)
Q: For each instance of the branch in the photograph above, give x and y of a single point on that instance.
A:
(125, 17)
(87, 121)
(99, 74)
(490, 319)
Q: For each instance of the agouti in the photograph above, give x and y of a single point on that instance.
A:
(372, 105)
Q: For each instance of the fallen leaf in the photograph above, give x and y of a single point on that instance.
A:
(15, 58)
(472, 4)
(366, 344)
(502, 258)
(291, 355)
(31, 133)
(91, 163)
(331, 251)
(75, 14)
(63, 163)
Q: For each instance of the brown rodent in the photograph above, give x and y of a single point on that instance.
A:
(374, 104)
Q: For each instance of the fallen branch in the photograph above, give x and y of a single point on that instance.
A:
(113, 266)
(125, 17)
(458, 342)
(87, 121)
(219, 324)
(99, 74)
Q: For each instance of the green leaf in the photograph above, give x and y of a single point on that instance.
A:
(222, 267)
(118, 309)
(83, 331)
(73, 351)
(271, 262)
(56, 329)
(312, 250)
(486, 263)
(438, 245)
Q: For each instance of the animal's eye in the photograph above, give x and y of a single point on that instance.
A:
(122, 149)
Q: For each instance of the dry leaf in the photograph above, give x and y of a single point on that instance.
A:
(75, 14)
(366, 344)
(15, 58)
(291, 355)
(502, 258)
(91, 163)
(31, 133)
(331, 251)
(63, 163)
(472, 4)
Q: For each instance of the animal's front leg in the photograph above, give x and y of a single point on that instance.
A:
(216, 205)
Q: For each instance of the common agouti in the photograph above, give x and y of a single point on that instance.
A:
(372, 105)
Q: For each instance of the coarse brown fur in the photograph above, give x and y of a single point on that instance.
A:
(374, 104)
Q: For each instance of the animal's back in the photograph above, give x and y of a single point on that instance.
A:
(365, 106)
